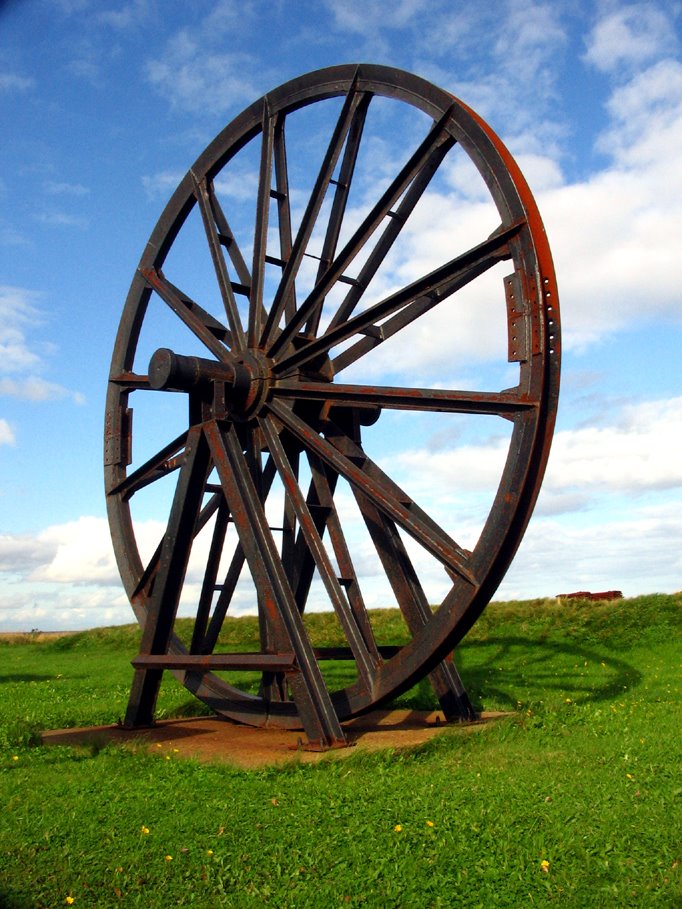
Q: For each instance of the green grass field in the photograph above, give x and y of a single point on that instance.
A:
(575, 801)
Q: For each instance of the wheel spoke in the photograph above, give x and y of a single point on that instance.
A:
(418, 161)
(228, 588)
(374, 484)
(228, 240)
(434, 287)
(205, 199)
(284, 210)
(208, 585)
(392, 231)
(324, 488)
(313, 702)
(175, 552)
(177, 543)
(260, 238)
(159, 465)
(353, 99)
(366, 665)
(229, 584)
(341, 194)
(149, 573)
(413, 604)
(209, 330)
(502, 403)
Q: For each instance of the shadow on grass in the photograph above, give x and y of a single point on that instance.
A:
(15, 900)
(500, 672)
(26, 677)
(509, 669)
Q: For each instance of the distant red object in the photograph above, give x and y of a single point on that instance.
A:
(586, 595)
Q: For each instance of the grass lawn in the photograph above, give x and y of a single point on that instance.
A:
(575, 801)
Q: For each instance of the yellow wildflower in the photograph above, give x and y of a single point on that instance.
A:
(209, 852)
(144, 829)
(69, 901)
(169, 858)
(429, 823)
(544, 866)
(15, 757)
(398, 828)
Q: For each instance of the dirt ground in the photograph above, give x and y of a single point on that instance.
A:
(217, 740)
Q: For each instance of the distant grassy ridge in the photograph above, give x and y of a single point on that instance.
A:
(575, 801)
(620, 622)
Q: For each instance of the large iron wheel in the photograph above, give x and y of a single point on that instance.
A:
(253, 476)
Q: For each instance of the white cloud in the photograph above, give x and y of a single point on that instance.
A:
(646, 117)
(631, 36)
(197, 79)
(10, 236)
(11, 82)
(17, 310)
(19, 356)
(61, 608)
(503, 60)
(79, 553)
(61, 219)
(634, 555)
(374, 15)
(22, 553)
(162, 183)
(615, 235)
(636, 453)
(7, 436)
(530, 35)
(60, 188)
(639, 451)
(132, 13)
(34, 388)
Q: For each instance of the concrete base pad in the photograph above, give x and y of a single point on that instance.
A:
(213, 739)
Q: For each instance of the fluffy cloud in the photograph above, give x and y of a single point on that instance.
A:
(374, 15)
(21, 356)
(637, 452)
(12, 82)
(162, 184)
(631, 554)
(79, 553)
(61, 219)
(60, 188)
(7, 436)
(17, 310)
(196, 78)
(34, 388)
(615, 235)
(631, 36)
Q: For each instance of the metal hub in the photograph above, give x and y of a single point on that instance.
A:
(234, 388)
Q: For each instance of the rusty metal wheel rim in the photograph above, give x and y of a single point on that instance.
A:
(272, 364)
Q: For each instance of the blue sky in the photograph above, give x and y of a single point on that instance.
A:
(104, 108)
